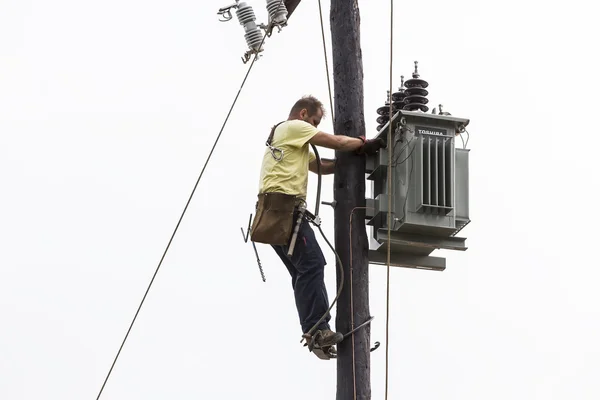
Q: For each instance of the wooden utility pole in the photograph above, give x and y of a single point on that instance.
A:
(353, 370)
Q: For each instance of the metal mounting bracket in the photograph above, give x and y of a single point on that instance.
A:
(327, 203)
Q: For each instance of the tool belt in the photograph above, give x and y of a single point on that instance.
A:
(274, 219)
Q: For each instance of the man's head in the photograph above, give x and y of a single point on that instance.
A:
(308, 109)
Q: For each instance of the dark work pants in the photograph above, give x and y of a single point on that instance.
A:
(307, 268)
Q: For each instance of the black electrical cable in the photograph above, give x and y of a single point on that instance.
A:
(339, 260)
(396, 162)
(318, 203)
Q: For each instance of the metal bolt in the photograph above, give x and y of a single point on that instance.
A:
(332, 204)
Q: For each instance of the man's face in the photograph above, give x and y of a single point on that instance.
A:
(314, 120)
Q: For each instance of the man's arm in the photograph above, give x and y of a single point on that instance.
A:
(336, 142)
(327, 166)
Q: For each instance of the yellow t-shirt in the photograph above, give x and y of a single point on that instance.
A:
(290, 175)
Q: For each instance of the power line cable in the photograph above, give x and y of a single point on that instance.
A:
(180, 219)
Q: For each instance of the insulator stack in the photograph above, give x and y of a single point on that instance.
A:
(416, 95)
(277, 12)
(247, 18)
(384, 112)
(399, 96)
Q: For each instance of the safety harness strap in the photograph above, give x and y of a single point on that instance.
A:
(277, 153)
(270, 139)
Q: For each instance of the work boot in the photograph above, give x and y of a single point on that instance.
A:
(327, 337)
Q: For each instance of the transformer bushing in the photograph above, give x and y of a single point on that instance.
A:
(399, 96)
(384, 112)
(416, 95)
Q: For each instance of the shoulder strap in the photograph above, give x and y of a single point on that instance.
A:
(270, 139)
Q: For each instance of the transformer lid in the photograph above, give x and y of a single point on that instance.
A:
(448, 118)
(423, 118)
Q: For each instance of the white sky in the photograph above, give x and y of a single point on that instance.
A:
(107, 113)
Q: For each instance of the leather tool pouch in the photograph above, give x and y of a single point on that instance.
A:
(274, 218)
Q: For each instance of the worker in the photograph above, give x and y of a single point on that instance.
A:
(282, 190)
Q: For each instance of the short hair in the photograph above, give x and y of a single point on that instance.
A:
(311, 103)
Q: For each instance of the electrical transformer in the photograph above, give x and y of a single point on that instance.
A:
(430, 186)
